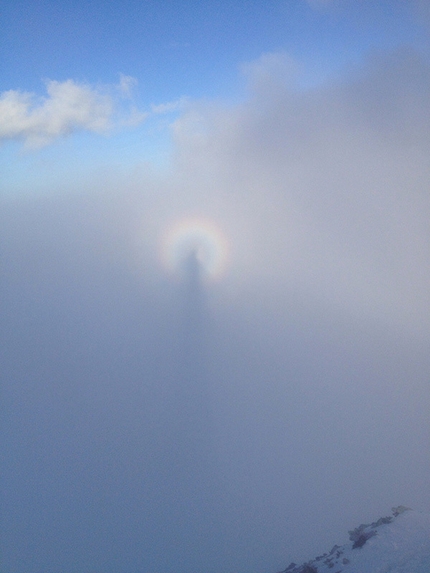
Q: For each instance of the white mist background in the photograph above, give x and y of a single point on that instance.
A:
(315, 340)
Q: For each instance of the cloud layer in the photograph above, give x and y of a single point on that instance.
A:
(337, 176)
(246, 424)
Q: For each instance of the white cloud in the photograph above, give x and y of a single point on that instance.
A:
(68, 107)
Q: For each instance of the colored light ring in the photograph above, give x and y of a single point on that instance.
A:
(197, 236)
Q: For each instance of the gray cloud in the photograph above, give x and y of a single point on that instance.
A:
(154, 425)
(336, 176)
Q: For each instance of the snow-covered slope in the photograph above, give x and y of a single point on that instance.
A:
(396, 544)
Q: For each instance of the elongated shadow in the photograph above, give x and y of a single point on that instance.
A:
(192, 462)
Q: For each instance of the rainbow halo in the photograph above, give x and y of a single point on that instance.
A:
(201, 237)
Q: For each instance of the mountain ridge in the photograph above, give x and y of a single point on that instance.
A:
(399, 543)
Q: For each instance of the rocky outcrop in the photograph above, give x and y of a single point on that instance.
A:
(341, 557)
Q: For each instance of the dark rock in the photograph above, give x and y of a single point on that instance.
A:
(355, 533)
(399, 509)
(362, 538)
(290, 569)
(308, 568)
(382, 521)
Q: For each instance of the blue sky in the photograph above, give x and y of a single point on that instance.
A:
(191, 48)
(247, 412)
(176, 50)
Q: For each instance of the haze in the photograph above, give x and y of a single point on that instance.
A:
(155, 422)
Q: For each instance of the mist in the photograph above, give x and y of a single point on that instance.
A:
(163, 423)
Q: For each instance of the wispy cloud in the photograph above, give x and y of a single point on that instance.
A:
(126, 85)
(170, 106)
(269, 70)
